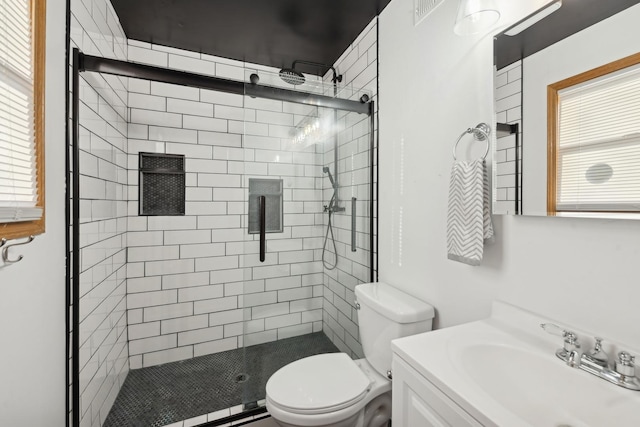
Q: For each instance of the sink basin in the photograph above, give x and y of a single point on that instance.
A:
(503, 372)
(541, 389)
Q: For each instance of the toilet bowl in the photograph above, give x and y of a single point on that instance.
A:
(334, 390)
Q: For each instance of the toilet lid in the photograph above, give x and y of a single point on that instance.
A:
(318, 384)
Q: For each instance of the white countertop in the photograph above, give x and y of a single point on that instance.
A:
(503, 371)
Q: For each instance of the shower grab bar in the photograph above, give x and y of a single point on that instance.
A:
(353, 224)
(263, 216)
(480, 133)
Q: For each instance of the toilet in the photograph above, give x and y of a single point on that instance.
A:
(334, 390)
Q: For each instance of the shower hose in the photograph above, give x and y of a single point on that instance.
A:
(327, 264)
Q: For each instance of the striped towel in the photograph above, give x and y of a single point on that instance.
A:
(468, 217)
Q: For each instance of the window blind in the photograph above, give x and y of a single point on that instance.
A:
(18, 189)
(599, 144)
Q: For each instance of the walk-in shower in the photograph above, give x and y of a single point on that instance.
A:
(199, 233)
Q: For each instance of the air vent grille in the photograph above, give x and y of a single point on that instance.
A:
(422, 8)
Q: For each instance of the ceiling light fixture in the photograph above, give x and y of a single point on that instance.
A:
(535, 17)
(475, 16)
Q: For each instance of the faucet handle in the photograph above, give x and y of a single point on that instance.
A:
(552, 329)
(625, 364)
(570, 338)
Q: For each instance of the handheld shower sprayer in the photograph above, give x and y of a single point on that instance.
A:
(330, 208)
(328, 172)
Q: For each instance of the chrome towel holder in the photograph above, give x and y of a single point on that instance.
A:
(480, 133)
(5, 250)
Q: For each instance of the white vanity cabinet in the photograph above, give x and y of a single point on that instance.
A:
(417, 402)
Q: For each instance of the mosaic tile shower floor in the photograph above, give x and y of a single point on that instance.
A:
(164, 394)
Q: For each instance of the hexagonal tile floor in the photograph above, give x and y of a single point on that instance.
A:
(164, 394)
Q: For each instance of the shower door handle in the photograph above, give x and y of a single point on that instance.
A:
(263, 220)
(353, 224)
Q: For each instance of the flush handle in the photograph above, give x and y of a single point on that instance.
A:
(357, 305)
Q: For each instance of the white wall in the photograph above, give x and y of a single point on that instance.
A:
(433, 85)
(32, 292)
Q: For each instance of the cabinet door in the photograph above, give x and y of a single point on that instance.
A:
(417, 402)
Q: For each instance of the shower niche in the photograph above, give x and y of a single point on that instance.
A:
(162, 186)
(271, 190)
(208, 301)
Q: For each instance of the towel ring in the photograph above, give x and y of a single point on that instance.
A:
(480, 133)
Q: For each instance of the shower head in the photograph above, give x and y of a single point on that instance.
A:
(328, 172)
(291, 76)
(294, 77)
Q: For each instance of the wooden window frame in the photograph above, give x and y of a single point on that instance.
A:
(552, 119)
(15, 230)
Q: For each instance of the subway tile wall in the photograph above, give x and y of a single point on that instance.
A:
(103, 355)
(508, 96)
(358, 65)
(160, 289)
(185, 292)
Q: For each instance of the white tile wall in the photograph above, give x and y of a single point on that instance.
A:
(358, 64)
(508, 91)
(103, 354)
(193, 267)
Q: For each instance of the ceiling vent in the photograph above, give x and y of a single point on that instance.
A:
(422, 8)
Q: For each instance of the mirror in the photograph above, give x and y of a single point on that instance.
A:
(579, 37)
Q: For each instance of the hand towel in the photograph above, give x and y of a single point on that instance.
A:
(469, 216)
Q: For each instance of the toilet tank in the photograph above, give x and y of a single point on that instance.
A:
(384, 314)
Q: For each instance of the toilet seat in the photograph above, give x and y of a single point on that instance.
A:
(318, 385)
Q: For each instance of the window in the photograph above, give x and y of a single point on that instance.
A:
(21, 117)
(594, 140)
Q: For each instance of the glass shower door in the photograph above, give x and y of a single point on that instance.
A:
(298, 263)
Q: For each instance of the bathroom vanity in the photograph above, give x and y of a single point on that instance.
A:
(504, 371)
(418, 402)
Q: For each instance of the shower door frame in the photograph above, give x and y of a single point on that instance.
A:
(88, 63)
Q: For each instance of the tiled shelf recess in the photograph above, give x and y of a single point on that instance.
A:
(206, 387)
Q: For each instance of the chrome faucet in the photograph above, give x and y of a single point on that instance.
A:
(596, 361)
(570, 352)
